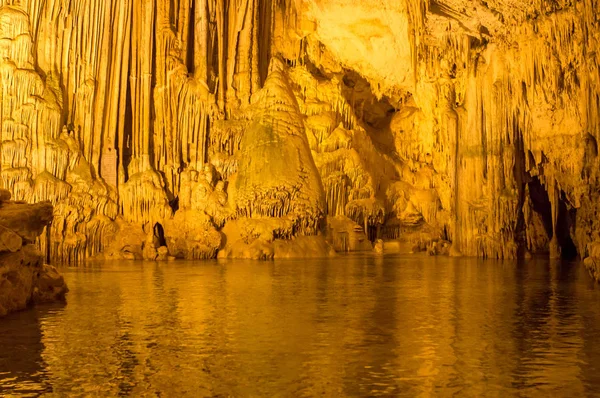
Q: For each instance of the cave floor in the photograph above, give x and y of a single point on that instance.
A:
(347, 326)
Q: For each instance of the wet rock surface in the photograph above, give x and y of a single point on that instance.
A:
(24, 278)
(473, 123)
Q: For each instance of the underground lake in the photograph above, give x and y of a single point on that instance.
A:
(353, 325)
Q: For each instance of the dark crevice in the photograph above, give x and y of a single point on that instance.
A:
(373, 112)
(541, 204)
(151, 154)
(264, 34)
(564, 225)
(374, 232)
(127, 135)
(522, 178)
(191, 40)
(565, 221)
(159, 232)
(174, 204)
(590, 154)
(315, 71)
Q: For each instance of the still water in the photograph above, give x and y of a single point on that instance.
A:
(350, 326)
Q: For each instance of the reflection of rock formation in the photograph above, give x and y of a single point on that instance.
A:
(22, 368)
(411, 325)
(24, 278)
(424, 120)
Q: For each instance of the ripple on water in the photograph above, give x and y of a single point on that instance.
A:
(350, 326)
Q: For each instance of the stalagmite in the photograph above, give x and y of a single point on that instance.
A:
(474, 123)
(277, 181)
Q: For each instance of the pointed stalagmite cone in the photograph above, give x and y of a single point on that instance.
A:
(471, 115)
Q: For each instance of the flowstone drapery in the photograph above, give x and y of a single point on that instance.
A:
(172, 128)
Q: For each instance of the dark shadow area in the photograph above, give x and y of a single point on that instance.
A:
(541, 203)
(174, 204)
(265, 12)
(565, 219)
(374, 232)
(191, 46)
(159, 232)
(564, 224)
(127, 149)
(22, 367)
(373, 112)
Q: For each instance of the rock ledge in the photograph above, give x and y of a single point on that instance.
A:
(24, 278)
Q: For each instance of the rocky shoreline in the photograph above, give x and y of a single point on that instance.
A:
(24, 278)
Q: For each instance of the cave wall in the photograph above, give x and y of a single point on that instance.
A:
(171, 122)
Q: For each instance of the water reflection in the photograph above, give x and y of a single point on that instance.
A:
(353, 326)
(22, 368)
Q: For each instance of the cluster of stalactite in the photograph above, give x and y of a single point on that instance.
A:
(496, 145)
(106, 103)
(350, 167)
(507, 115)
(234, 109)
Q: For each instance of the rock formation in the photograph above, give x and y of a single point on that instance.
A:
(165, 129)
(24, 278)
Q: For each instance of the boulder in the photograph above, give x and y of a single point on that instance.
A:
(17, 276)
(127, 243)
(49, 286)
(24, 278)
(191, 235)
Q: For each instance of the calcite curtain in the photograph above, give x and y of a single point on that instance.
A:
(469, 122)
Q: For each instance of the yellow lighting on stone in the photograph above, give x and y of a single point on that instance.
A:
(266, 129)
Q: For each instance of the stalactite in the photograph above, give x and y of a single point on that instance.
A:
(128, 99)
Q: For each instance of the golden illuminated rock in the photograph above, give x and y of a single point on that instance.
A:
(474, 123)
(24, 278)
